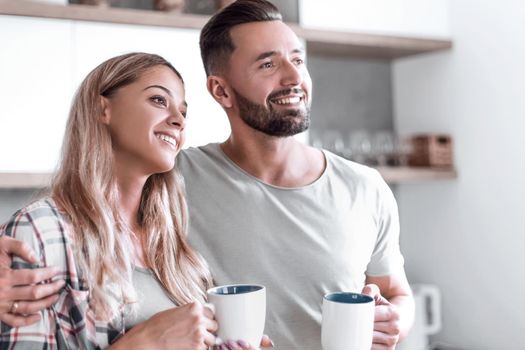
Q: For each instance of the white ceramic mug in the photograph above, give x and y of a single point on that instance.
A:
(240, 310)
(348, 321)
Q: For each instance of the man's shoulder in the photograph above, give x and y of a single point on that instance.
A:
(351, 170)
(198, 157)
(358, 177)
(198, 152)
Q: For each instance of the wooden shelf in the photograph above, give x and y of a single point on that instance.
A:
(397, 175)
(318, 41)
(392, 175)
(99, 14)
(367, 45)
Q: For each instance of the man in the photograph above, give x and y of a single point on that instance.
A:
(267, 209)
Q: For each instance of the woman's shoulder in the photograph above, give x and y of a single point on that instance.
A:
(39, 215)
(38, 205)
(41, 226)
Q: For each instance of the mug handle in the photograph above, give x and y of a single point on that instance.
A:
(218, 341)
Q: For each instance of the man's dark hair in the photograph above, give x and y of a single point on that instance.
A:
(215, 40)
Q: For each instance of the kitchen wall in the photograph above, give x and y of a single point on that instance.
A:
(466, 236)
(350, 94)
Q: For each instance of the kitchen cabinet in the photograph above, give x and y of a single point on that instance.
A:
(29, 30)
(35, 51)
(357, 43)
(406, 18)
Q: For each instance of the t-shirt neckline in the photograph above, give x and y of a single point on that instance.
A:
(245, 173)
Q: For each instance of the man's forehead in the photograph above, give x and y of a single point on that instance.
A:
(260, 37)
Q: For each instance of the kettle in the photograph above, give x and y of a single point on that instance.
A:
(427, 319)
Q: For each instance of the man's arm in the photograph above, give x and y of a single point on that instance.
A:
(21, 286)
(394, 312)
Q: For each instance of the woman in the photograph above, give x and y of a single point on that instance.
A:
(115, 220)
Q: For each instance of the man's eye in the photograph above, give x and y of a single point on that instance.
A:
(299, 61)
(159, 100)
(267, 65)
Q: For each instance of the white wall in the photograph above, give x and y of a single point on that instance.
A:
(466, 235)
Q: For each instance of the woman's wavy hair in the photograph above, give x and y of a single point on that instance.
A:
(85, 188)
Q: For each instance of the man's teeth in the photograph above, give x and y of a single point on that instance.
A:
(168, 139)
(287, 101)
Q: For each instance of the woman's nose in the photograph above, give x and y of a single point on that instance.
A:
(177, 119)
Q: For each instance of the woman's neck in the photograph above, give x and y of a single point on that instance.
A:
(129, 196)
(129, 202)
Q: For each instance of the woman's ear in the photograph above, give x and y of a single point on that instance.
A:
(105, 116)
(219, 90)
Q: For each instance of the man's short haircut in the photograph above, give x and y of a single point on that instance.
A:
(215, 41)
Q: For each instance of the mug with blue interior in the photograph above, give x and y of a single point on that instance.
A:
(348, 321)
(235, 289)
(240, 311)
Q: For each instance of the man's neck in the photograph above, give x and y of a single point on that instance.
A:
(278, 161)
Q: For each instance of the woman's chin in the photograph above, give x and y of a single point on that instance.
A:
(161, 166)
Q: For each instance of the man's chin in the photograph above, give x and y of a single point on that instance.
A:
(286, 131)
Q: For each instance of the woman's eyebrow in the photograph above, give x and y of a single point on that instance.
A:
(159, 87)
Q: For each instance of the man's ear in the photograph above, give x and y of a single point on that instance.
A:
(220, 91)
(105, 116)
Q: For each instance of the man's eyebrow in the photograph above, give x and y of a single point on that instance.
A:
(159, 87)
(267, 54)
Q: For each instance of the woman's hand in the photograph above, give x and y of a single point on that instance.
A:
(266, 342)
(22, 295)
(189, 327)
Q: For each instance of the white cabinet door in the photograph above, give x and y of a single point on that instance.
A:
(95, 42)
(417, 18)
(36, 86)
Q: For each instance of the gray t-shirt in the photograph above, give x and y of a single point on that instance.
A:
(152, 298)
(299, 242)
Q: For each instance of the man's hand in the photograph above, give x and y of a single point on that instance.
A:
(386, 320)
(21, 297)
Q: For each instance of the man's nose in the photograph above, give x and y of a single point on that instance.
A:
(292, 74)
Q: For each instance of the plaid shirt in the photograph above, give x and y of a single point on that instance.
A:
(70, 323)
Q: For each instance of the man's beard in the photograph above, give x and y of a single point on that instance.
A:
(270, 121)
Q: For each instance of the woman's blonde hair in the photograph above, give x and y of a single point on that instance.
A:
(85, 188)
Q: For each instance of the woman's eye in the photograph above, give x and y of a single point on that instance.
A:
(159, 100)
